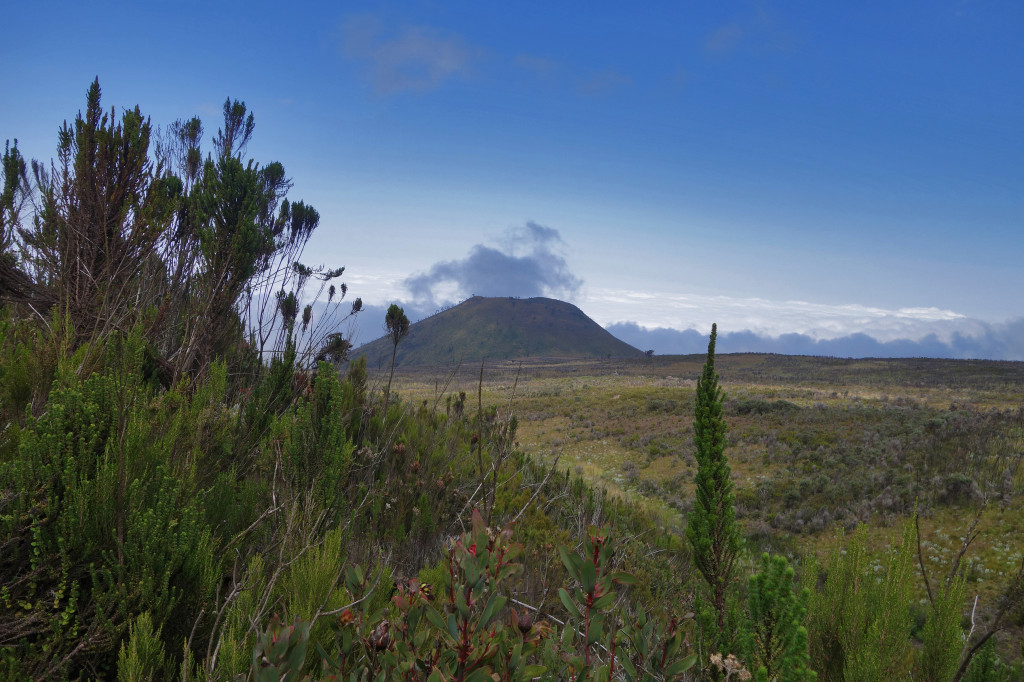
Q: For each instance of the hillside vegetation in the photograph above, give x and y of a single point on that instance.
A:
(197, 482)
(819, 448)
(500, 329)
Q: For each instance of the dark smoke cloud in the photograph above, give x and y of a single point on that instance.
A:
(529, 263)
(997, 342)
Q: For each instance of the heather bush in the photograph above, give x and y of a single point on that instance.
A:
(102, 520)
(859, 621)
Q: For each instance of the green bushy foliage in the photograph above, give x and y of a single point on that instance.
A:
(315, 443)
(101, 521)
(231, 654)
(142, 655)
(26, 372)
(310, 585)
(463, 629)
(777, 639)
(860, 622)
(942, 638)
(987, 666)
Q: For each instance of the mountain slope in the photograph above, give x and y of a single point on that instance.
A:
(500, 328)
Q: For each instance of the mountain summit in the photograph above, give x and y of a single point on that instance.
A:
(501, 329)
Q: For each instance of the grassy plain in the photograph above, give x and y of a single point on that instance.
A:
(816, 445)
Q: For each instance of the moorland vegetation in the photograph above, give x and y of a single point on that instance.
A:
(196, 483)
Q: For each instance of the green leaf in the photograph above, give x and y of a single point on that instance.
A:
(517, 653)
(414, 617)
(453, 626)
(326, 656)
(568, 603)
(566, 637)
(479, 675)
(570, 561)
(604, 602)
(674, 644)
(494, 604)
(680, 666)
(588, 576)
(437, 620)
(461, 606)
(623, 578)
(532, 671)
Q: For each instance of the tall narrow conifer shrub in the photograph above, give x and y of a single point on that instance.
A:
(711, 529)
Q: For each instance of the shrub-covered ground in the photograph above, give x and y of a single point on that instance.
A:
(817, 446)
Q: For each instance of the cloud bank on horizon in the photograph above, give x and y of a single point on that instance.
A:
(679, 324)
(766, 317)
(1003, 341)
(894, 334)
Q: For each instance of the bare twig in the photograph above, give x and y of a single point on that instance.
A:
(920, 561)
(1011, 598)
(973, 624)
(969, 537)
(479, 422)
(447, 383)
(361, 599)
(538, 490)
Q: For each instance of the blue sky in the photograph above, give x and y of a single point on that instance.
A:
(819, 169)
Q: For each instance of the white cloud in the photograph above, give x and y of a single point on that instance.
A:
(412, 58)
(773, 318)
(377, 288)
(529, 263)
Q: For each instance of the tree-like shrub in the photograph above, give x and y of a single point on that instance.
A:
(711, 527)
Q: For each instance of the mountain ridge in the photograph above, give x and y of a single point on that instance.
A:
(500, 328)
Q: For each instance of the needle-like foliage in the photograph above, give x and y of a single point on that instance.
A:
(712, 530)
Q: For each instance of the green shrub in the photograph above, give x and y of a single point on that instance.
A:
(776, 642)
(142, 657)
(461, 629)
(105, 523)
(859, 622)
(986, 666)
(942, 637)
